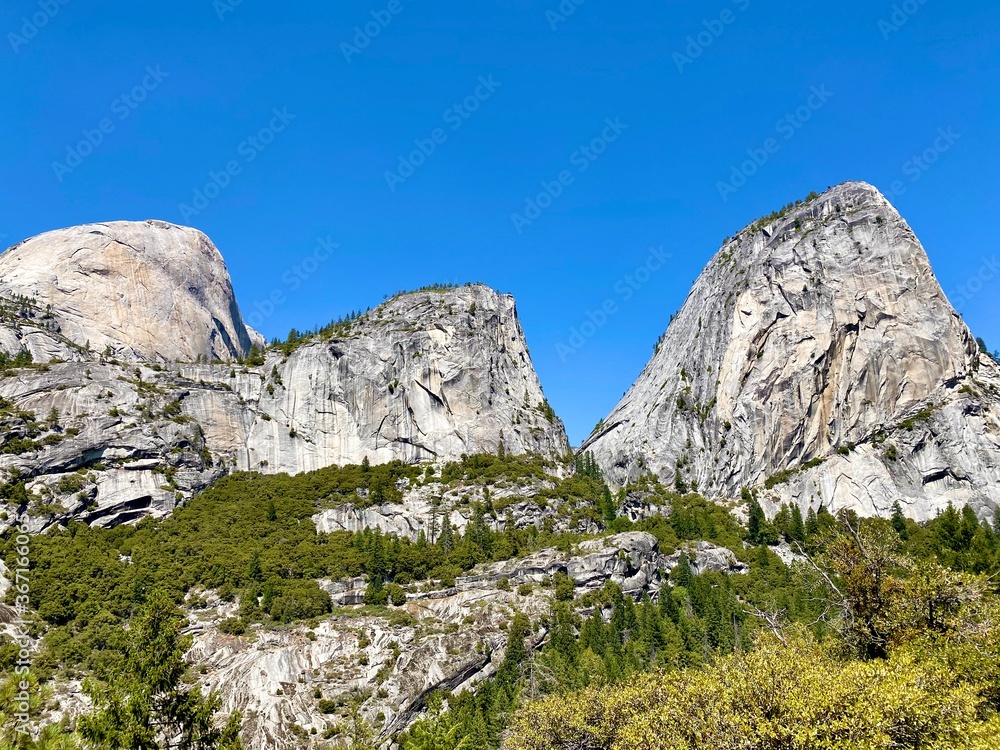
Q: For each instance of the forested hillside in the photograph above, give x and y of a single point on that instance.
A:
(900, 616)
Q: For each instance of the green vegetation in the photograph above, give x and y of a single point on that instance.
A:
(342, 327)
(983, 349)
(922, 416)
(18, 361)
(339, 328)
(783, 476)
(251, 536)
(876, 592)
(486, 468)
(890, 635)
(23, 432)
(142, 703)
(781, 213)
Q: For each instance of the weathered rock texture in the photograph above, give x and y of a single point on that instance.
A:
(427, 376)
(149, 289)
(138, 424)
(817, 358)
(385, 667)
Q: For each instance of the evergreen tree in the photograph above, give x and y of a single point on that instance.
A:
(796, 529)
(609, 511)
(681, 575)
(447, 535)
(144, 704)
(899, 520)
(14, 707)
(812, 522)
(757, 526)
(254, 571)
(433, 523)
(510, 669)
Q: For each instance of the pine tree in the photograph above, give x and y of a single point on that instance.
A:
(758, 522)
(144, 704)
(254, 571)
(432, 530)
(510, 669)
(609, 511)
(681, 575)
(797, 529)
(447, 535)
(812, 522)
(899, 520)
(13, 707)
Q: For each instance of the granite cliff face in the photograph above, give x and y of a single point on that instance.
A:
(147, 290)
(113, 417)
(818, 359)
(427, 376)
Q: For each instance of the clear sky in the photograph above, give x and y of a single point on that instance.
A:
(409, 133)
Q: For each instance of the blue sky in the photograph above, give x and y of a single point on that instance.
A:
(411, 144)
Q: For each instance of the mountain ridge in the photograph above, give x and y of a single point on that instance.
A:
(138, 424)
(808, 332)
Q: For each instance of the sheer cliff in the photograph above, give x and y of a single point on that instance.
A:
(816, 358)
(126, 382)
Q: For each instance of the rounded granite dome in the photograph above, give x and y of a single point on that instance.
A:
(149, 290)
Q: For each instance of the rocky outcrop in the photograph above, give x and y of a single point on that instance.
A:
(313, 678)
(380, 669)
(101, 327)
(631, 560)
(425, 506)
(372, 669)
(816, 358)
(427, 376)
(138, 289)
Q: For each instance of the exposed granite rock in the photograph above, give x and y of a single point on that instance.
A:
(439, 640)
(427, 376)
(273, 676)
(145, 289)
(424, 508)
(632, 560)
(811, 340)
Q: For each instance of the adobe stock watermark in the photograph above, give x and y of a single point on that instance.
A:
(292, 280)
(33, 24)
(582, 158)
(561, 14)
(986, 273)
(364, 34)
(224, 7)
(123, 106)
(786, 127)
(624, 289)
(249, 149)
(19, 707)
(916, 166)
(714, 28)
(901, 14)
(454, 117)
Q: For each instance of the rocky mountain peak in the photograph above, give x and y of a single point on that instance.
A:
(810, 336)
(426, 376)
(147, 290)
